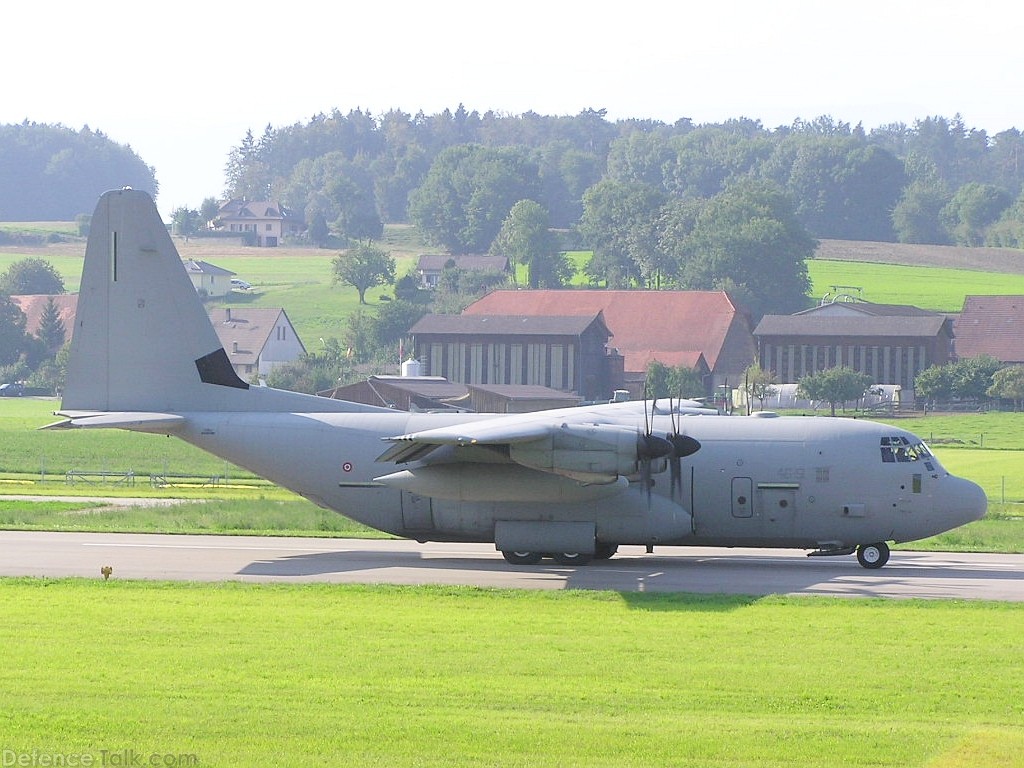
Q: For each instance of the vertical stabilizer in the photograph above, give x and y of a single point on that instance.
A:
(142, 340)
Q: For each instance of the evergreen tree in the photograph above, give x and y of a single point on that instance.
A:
(52, 332)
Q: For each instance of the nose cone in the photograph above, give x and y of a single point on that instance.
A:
(961, 502)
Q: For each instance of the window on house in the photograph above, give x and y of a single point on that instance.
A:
(269, 227)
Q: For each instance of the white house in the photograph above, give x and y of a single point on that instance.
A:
(256, 340)
(209, 280)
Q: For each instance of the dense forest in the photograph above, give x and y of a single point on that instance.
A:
(53, 173)
(457, 174)
(731, 206)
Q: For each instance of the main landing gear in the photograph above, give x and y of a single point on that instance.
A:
(601, 552)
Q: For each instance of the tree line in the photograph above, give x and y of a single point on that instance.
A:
(457, 174)
(54, 173)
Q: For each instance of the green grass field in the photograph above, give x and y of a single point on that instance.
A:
(299, 279)
(284, 675)
(942, 290)
(241, 675)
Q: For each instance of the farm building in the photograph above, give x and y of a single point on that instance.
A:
(993, 326)
(430, 266)
(705, 330)
(890, 342)
(563, 353)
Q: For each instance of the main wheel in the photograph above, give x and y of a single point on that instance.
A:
(521, 558)
(873, 555)
(571, 558)
(605, 551)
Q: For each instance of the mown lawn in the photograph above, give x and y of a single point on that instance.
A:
(239, 675)
(934, 288)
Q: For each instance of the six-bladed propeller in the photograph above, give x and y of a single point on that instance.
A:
(674, 446)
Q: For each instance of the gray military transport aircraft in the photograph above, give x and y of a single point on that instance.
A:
(572, 484)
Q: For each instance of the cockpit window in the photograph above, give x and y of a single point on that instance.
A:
(897, 448)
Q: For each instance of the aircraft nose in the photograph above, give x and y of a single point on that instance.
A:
(962, 501)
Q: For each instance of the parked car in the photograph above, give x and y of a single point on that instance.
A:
(12, 389)
(238, 284)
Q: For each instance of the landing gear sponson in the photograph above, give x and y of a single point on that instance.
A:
(868, 555)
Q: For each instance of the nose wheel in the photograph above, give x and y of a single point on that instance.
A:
(873, 555)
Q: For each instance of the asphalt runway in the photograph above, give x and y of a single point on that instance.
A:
(364, 561)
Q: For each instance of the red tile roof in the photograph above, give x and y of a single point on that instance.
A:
(991, 325)
(642, 322)
(34, 304)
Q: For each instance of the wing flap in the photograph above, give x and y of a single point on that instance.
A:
(502, 431)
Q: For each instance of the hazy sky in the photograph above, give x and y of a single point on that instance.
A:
(181, 82)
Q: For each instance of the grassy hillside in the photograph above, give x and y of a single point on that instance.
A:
(299, 279)
(936, 288)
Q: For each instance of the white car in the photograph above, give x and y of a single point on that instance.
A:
(238, 284)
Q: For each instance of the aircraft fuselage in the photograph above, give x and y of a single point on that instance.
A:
(815, 483)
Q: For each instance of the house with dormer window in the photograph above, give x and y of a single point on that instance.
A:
(264, 222)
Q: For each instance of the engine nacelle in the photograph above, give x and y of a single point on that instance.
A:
(592, 453)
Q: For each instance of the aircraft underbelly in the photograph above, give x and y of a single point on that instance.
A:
(623, 519)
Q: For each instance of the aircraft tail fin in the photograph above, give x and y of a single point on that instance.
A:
(142, 340)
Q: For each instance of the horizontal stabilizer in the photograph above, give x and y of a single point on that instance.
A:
(136, 421)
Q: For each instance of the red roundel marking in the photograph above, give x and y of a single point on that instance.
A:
(347, 466)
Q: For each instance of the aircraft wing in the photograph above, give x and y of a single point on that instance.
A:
(583, 449)
(497, 431)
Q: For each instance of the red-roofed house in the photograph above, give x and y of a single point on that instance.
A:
(674, 327)
(33, 305)
(990, 325)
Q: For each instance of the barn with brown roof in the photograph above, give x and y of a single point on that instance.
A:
(562, 352)
(993, 326)
(890, 342)
(673, 327)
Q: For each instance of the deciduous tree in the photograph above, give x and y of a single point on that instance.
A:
(834, 386)
(749, 234)
(759, 383)
(363, 267)
(525, 238)
(1008, 384)
(31, 276)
